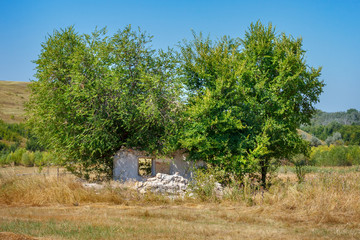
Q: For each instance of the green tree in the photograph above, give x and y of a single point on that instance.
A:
(95, 93)
(246, 99)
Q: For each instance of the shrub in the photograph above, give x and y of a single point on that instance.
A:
(335, 155)
(3, 146)
(27, 159)
(32, 144)
(300, 162)
(205, 182)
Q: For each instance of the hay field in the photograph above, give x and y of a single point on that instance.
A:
(13, 95)
(325, 206)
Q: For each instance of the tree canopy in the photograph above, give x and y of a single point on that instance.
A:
(94, 94)
(234, 103)
(246, 99)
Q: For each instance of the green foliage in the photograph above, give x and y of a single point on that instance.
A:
(243, 101)
(27, 159)
(300, 162)
(21, 156)
(32, 144)
(335, 139)
(12, 132)
(335, 155)
(350, 134)
(10, 151)
(3, 146)
(206, 181)
(96, 93)
(314, 142)
(350, 117)
(246, 98)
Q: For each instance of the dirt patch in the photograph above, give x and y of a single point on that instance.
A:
(14, 236)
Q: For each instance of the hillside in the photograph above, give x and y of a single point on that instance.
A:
(350, 117)
(13, 95)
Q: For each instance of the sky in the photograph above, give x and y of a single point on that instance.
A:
(330, 31)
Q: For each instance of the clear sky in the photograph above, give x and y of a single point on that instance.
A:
(330, 31)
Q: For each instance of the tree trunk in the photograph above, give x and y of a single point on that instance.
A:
(264, 169)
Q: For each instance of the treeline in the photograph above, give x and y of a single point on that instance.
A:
(18, 146)
(337, 131)
(350, 117)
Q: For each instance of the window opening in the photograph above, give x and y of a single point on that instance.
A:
(162, 166)
(145, 167)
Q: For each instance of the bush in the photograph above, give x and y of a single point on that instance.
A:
(45, 159)
(335, 155)
(300, 162)
(12, 132)
(32, 144)
(27, 159)
(14, 147)
(3, 146)
(205, 183)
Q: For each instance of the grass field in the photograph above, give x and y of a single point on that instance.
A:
(325, 206)
(13, 95)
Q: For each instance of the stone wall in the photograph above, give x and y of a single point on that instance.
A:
(126, 165)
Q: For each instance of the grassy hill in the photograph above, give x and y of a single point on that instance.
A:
(13, 95)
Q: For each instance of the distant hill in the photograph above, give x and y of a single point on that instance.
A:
(336, 127)
(350, 117)
(13, 95)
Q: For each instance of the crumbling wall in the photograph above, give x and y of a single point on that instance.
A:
(126, 165)
(181, 166)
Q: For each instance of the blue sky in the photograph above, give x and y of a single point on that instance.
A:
(330, 31)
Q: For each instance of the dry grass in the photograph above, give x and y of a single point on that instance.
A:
(50, 190)
(325, 206)
(12, 171)
(13, 95)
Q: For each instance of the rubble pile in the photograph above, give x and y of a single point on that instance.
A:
(164, 184)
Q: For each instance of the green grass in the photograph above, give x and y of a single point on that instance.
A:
(63, 229)
(205, 221)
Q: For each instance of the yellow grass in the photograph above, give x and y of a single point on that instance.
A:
(325, 206)
(13, 95)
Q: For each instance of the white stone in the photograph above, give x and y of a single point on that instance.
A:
(165, 184)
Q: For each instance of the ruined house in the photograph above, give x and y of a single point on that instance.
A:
(130, 164)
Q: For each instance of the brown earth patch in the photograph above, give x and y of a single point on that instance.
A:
(14, 236)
